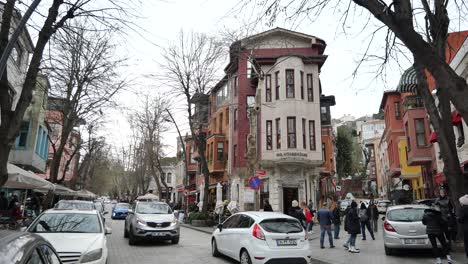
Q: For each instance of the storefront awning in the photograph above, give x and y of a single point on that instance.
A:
(22, 179)
(85, 194)
(408, 81)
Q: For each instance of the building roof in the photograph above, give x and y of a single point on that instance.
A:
(384, 97)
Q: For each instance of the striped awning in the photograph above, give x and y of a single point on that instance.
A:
(408, 81)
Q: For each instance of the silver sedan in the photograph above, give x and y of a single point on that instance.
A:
(403, 228)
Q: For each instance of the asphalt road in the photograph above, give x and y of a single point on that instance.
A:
(194, 247)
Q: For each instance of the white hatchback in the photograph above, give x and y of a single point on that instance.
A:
(79, 236)
(262, 237)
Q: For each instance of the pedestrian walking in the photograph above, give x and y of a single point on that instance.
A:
(448, 215)
(267, 206)
(352, 226)
(296, 212)
(365, 222)
(374, 215)
(336, 220)
(463, 220)
(434, 222)
(312, 211)
(307, 214)
(325, 219)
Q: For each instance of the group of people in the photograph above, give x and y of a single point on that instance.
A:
(356, 221)
(441, 225)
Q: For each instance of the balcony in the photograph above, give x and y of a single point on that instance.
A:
(27, 159)
(412, 102)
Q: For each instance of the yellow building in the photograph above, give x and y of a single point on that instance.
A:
(411, 174)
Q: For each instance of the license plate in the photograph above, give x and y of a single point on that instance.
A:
(286, 242)
(157, 234)
(414, 241)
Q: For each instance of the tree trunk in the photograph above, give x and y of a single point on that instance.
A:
(4, 153)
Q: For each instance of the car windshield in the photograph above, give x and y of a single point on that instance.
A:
(406, 215)
(153, 208)
(74, 205)
(122, 206)
(66, 223)
(281, 225)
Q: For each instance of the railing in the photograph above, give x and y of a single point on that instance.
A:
(412, 102)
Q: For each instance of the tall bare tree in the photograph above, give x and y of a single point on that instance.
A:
(418, 26)
(191, 67)
(108, 13)
(82, 67)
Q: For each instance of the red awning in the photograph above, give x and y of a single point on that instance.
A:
(456, 118)
(433, 137)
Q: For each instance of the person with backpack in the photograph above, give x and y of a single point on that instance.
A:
(463, 219)
(296, 212)
(336, 220)
(435, 223)
(365, 222)
(352, 226)
(308, 215)
(325, 218)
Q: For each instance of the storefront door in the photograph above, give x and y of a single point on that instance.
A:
(289, 194)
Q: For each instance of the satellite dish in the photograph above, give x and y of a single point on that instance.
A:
(406, 187)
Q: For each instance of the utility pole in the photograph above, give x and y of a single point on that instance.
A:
(14, 38)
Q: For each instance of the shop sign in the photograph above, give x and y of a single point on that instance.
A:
(249, 195)
(291, 154)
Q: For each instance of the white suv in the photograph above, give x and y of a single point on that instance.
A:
(261, 237)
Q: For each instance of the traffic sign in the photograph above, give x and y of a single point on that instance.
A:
(338, 188)
(262, 174)
(254, 182)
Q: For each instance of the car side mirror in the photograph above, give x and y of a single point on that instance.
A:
(108, 230)
(220, 227)
(383, 218)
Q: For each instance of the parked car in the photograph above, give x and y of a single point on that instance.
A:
(151, 220)
(382, 206)
(21, 248)
(75, 204)
(261, 237)
(120, 211)
(79, 236)
(428, 202)
(403, 228)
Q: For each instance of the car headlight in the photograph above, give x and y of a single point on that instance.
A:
(141, 222)
(92, 256)
(174, 221)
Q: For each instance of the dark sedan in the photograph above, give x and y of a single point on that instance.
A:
(22, 248)
(120, 211)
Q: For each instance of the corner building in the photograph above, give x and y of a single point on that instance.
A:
(275, 118)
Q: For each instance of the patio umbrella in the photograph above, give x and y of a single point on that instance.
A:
(202, 194)
(22, 179)
(219, 208)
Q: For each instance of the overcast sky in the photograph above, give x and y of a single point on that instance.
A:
(161, 21)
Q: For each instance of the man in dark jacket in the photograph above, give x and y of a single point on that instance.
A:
(296, 212)
(325, 219)
(463, 220)
(434, 223)
(267, 206)
(353, 227)
(373, 212)
(448, 215)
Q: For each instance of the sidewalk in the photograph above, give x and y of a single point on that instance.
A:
(371, 251)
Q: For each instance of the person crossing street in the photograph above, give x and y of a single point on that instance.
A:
(325, 219)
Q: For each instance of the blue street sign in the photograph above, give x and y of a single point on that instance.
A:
(254, 183)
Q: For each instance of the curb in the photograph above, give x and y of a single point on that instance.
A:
(196, 229)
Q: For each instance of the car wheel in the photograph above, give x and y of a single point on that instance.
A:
(214, 248)
(132, 240)
(245, 257)
(388, 251)
(175, 241)
(125, 233)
